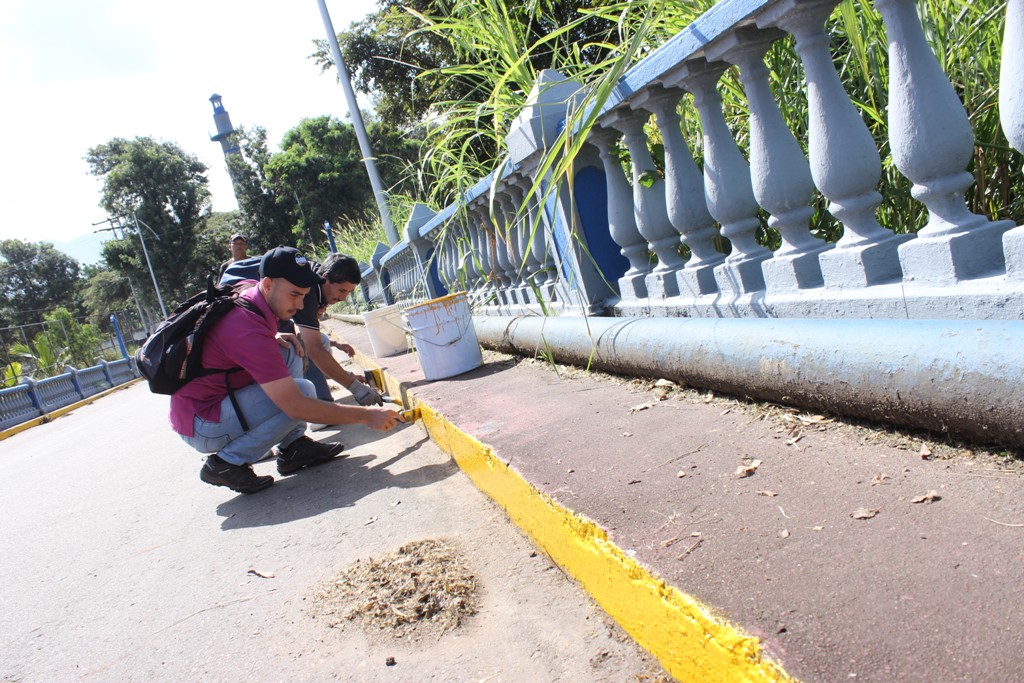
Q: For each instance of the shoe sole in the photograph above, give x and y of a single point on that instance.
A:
(215, 481)
(295, 467)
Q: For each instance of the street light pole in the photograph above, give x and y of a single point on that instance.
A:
(148, 262)
(357, 123)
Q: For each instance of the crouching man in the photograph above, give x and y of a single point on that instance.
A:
(269, 402)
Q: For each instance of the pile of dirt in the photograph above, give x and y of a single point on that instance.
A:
(423, 589)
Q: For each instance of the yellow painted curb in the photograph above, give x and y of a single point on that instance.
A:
(689, 641)
(47, 417)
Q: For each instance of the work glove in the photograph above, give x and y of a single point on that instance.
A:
(365, 395)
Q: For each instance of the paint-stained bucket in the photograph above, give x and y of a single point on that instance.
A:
(387, 334)
(444, 335)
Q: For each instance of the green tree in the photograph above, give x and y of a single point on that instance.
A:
(106, 291)
(320, 163)
(266, 214)
(36, 277)
(165, 188)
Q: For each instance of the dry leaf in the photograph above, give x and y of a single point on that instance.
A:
(680, 474)
(262, 575)
(864, 513)
(813, 419)
(662, 388)
(879, 478)
(747, 470)
(642, 406)
(770, 494)
(929, 497)
(784, 533)
(925, 451)
(709, 397)
(570, 470)
(817, 528)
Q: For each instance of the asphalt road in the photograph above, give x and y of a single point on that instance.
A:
(118, 564)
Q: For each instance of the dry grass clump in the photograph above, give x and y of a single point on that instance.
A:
(423, 589)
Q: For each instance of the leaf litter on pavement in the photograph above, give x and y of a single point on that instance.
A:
(423, 589)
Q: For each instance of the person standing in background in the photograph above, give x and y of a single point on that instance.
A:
(239, 247)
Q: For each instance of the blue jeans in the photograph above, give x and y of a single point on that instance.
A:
(316, 375)
(268, 425)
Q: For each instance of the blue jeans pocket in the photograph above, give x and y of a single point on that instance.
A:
(209, 437)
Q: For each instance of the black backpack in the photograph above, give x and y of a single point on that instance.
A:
(171, 357)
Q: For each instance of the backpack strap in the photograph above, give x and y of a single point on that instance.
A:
(234, 401)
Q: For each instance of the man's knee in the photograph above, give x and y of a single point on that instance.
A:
(306, 387)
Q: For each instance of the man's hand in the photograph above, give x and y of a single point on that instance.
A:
(344, 348)
(365, 395)
(286, 338)
(383, 419)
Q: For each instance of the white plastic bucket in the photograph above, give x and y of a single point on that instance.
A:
(445, 337)
(387, 334)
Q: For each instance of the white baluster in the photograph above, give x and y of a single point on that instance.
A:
(684, 199)
(649, 204)
(844, 160)
(727, 188)
(545, 274)
(485, 245)
(528, 263)
(475, 263)
(780, 174)
(508, 245)
(932, 143)
(621, 220)
(1011, 114)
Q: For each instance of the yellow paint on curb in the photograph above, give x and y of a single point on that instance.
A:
(47, 417)
(689, 641)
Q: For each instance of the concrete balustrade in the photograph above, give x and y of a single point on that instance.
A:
(607, 238)
(34, 398)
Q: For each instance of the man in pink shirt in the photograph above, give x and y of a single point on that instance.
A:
(268, 389)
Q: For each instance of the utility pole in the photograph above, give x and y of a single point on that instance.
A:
(115, 224)
(357, 123)
(149, 263)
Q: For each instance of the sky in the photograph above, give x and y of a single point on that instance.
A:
(78, 74)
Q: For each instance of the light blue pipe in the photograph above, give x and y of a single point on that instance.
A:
(964, 377)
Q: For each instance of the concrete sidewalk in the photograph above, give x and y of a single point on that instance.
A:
(118, 564)
(744, 542)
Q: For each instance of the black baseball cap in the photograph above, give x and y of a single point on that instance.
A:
(288, 263)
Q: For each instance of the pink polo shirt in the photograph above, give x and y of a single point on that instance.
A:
(240, 339)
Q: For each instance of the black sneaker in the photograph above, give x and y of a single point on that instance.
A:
(238, 478)
(305, 452)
